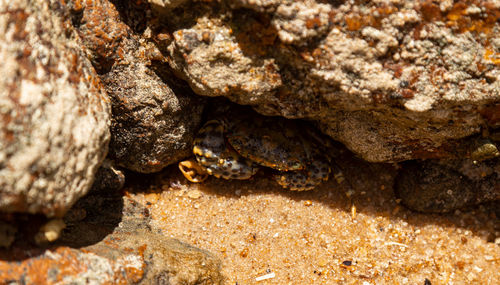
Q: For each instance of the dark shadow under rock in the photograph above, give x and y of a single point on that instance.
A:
(108, 239)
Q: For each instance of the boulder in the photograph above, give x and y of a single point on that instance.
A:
(55, 112)
(154, 114)
(392, 80)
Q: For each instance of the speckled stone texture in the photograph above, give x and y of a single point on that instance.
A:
(393, 80)
(54, 127)
(154, 115)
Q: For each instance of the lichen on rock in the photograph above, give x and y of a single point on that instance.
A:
(55, 112)
(392, 80)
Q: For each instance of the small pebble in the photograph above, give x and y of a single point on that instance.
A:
(50, 232)
(322, 262)
(244, 252)
(347, 262)
(194, 194)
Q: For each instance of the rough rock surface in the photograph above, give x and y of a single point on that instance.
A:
(108, 178)
(154, 114)
(110, 243)
(54, 127)
(433, 187)
(392, 80)
(7, 234)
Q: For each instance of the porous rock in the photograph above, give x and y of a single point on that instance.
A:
(299, 22)
(154, 114)
(55, 113)
(392, 80)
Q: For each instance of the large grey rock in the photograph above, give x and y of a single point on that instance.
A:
(392, 80)
(55, 113)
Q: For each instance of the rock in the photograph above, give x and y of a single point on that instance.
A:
(299, 22)
(153, 126)
(137, 259)
(108, 178)
(484, 149)
(50, 232)
(86, 267)
(114, 243)
(55, 113)
(440, 187)
(154, 114)
(394, 81)
(219, 65)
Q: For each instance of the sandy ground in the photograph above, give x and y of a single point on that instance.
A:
(349, 233)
